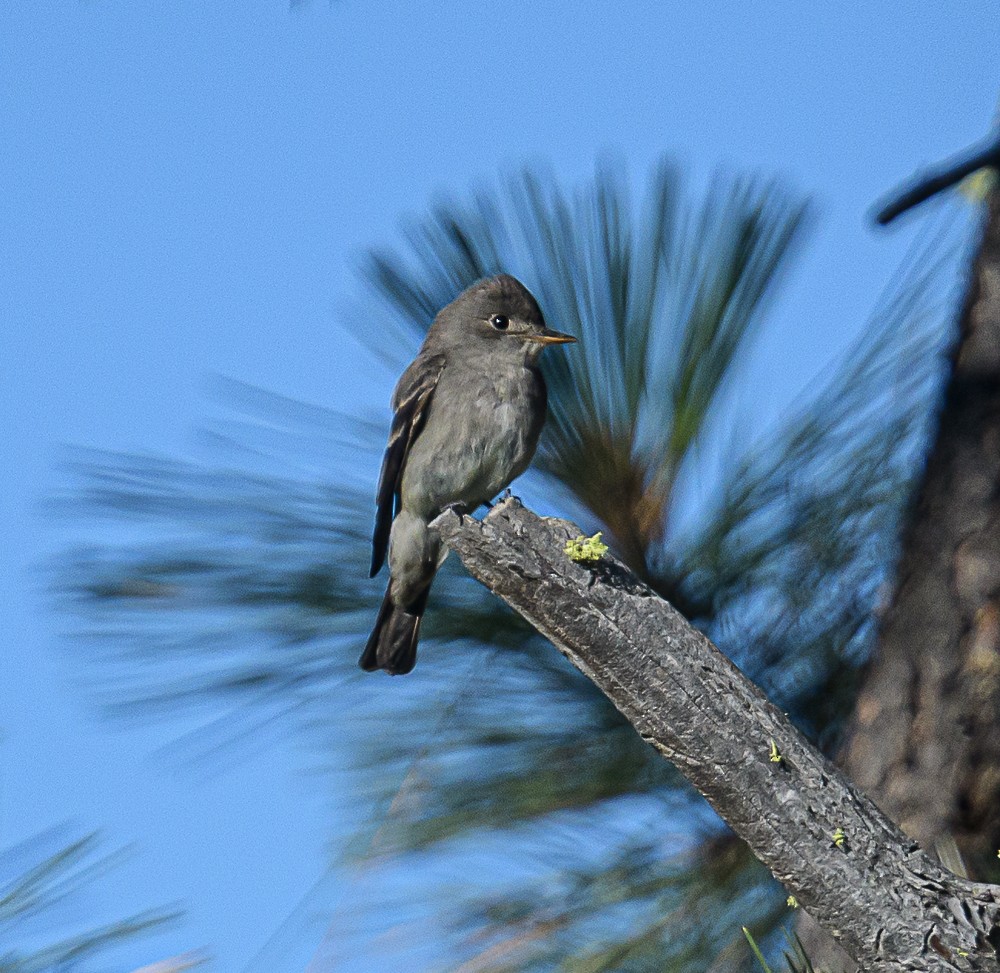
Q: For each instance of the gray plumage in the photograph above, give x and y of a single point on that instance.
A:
(467, 414)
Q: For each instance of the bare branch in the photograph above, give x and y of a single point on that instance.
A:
(868, 884)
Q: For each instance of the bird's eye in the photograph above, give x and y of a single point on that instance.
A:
(500, 321)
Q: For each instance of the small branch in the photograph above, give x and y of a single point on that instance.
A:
(864, 881)
(946, 176)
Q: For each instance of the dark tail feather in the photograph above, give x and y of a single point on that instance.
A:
(392, 646)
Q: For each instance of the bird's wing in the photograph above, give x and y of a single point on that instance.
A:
(410, 403)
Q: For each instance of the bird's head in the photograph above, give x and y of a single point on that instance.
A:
(495, 316)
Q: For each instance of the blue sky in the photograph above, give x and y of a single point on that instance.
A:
(186, 189)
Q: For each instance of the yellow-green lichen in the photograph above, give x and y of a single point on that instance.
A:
(586, 550)
(839, 837)
(775, 756)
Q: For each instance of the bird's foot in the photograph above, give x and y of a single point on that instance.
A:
(503, 498)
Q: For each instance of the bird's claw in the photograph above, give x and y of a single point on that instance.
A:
(506, 495)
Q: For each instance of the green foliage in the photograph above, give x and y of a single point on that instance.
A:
(246, 581)
(795, 955)
(756, 951)
(35, 889)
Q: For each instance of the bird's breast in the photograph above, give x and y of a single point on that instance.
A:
(481, 432)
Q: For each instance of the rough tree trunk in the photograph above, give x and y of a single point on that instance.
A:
(925, 740)
(890, 906)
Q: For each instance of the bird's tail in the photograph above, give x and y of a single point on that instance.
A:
(392, 646)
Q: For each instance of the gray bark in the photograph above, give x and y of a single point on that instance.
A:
(890, 906)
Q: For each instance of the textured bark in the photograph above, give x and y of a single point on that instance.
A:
(891, 907)
(925, 740)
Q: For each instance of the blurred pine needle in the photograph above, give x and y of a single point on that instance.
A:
(39, 890)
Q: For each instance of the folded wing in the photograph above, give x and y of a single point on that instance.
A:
(410, 402)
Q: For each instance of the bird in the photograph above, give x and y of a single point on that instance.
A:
(467, 414)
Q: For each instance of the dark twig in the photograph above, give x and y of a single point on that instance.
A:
(935, 182)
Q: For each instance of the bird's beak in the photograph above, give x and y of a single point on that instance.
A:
(548, 337)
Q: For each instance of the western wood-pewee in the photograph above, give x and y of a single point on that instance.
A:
(467, 415)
